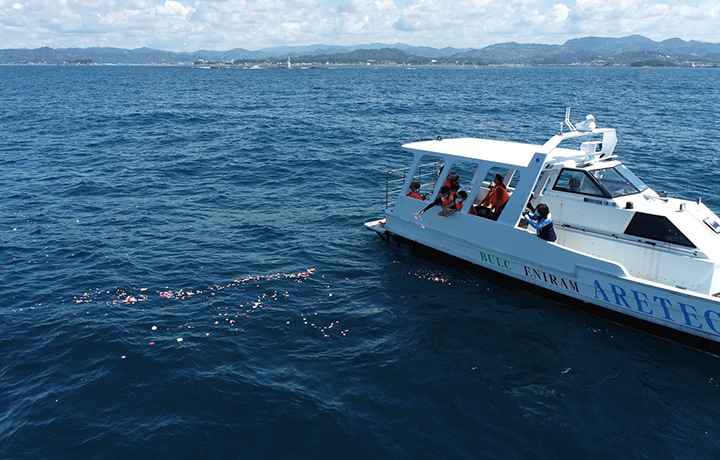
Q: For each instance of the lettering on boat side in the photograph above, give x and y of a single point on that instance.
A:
(549, 278)
(602, 202)
(494, 260)
(658, 306)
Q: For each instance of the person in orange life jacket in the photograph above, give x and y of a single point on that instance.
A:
(457, 204)
(460, 200)
(473, 209)
(454, 187)
(414, 191)
(496, 198)
(443, 199)
(452, 179)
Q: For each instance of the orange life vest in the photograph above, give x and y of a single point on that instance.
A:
(448, 201)
(448, 182)
(498, 196)
(415, 195)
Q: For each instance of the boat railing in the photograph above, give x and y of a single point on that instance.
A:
(427, 174)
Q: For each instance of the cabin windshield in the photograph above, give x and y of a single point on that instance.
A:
(618, 181)
(577, 181)
(632, 178)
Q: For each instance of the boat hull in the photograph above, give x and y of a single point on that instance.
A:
(600, 286)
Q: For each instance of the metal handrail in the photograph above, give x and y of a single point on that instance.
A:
(434, 173)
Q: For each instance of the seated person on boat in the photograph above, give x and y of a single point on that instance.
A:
(443, 199)
(457, 204)
(493, 204)
(452, 179)
(414, 191)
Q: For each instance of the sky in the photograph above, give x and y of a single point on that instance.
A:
(191, 25)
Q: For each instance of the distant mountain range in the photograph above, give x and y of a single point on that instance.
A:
(634, 50)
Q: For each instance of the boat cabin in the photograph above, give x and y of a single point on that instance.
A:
(598, 206)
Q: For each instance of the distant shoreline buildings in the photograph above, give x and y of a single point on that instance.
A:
(633, 51)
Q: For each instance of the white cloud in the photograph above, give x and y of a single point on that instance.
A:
(253, 24)
(558, 14)
(174, 9)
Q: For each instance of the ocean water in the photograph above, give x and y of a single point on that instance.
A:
(184, 272)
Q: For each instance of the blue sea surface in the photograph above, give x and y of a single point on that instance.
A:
(184, 272)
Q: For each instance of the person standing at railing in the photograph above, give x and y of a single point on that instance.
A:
(541, 220)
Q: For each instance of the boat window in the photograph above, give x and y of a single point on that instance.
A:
(432, 168)
(487, 201)
(427, 174)
(632, 178)
(546, 182)
(505, 173)
(657, 228)
(615, 184)
(465, 171)
(577, 181)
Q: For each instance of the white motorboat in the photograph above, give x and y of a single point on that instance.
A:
(637, 254)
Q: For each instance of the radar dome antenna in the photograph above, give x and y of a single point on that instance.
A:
(587, 125)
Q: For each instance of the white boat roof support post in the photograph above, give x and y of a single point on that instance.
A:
(476, 184)
(519, 198)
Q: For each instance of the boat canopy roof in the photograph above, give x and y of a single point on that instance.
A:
(515, 154)
(511, 153)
